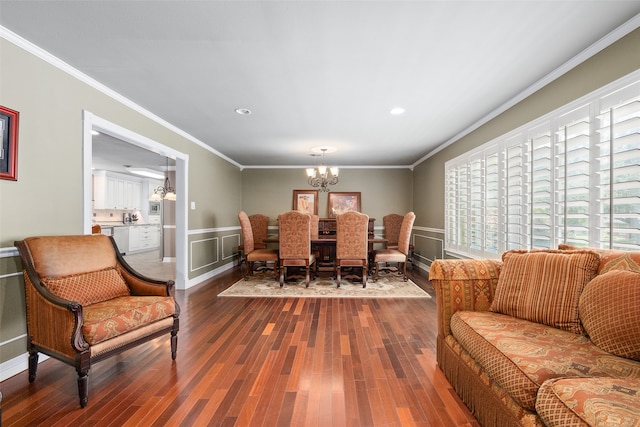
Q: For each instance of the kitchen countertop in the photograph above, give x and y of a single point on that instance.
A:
(120, 224)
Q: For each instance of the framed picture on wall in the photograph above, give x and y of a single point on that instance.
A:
(306, 201)
(9, 149)
(343, 202)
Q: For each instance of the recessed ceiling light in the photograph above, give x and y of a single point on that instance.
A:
(397, 111)
(243, 111)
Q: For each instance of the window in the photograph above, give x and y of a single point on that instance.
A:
(572, 176)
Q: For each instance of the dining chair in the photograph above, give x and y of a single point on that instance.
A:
(399, 255)
(260, 229)
(392, 224)
(251, 253)
(352, 244)
(295, 245)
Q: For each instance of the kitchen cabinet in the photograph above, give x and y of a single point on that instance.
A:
(121, 236)
(111, 191)
(144, 237)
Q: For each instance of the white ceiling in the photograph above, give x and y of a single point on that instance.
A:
(318, 72)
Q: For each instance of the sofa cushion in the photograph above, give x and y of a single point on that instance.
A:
(520, 355)
(611, 259)
(118, 316)
(567, 402)
(544, 286)
(610, 314)
(89, 288)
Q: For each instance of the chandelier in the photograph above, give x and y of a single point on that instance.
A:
(166, 192)
(322, 176)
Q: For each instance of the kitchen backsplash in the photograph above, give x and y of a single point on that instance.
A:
(116, 215)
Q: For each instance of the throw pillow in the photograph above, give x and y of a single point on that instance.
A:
(89, 288)
(609, 312)
(544, 286)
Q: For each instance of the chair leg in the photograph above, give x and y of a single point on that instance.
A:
(364, 276)
(307, 278)
(339, 274)
(33, 365)
(282, 270)
(375, 271)
(83, 386)
(404, 265)
(174, 344)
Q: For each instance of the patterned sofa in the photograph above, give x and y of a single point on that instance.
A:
(542, 337)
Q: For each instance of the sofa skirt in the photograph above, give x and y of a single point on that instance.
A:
(488, 404)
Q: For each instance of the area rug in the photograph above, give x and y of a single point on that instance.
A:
(325, 287)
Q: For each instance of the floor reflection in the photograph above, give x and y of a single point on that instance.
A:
(149, 264)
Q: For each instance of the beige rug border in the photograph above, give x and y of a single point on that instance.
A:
(346, 289)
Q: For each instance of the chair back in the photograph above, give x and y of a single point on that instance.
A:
(352, 230)
(315, 221)
(260, 228)
(64, 256)
(294, 235)
(247, 232)
(392, 224)
(405, 232)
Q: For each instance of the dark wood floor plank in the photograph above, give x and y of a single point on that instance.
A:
(260, 361)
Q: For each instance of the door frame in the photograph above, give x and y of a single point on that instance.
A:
(92, 122)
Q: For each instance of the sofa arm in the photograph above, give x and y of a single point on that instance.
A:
(462, 284)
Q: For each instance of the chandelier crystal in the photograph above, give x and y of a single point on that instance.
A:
(322, 176)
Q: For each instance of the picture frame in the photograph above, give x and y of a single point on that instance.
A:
(306, 201)
(9, 149)
(343, 202)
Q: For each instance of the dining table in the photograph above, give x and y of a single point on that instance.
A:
(326, 260)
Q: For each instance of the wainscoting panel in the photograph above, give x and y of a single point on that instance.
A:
(204, 253)
(230, 245)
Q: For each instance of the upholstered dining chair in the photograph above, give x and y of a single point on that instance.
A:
(392, 224)
(295, 245)
(352, 244)
(400, 255)
(260, 229)
(251, 254)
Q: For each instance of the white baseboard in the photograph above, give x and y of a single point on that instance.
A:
(17, 365)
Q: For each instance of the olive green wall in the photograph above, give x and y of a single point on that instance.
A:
(383, 191)
(47, 198)
(618, 60)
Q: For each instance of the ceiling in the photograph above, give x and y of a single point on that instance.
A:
(317, 72)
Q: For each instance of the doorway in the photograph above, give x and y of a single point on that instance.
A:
(91, 123)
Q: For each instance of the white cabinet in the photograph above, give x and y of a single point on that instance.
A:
(144, 237)
(115, 192)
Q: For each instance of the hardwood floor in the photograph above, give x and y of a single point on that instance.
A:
(260, 362)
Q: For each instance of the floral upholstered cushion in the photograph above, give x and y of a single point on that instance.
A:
(89, 288)
(117, 316)
(520, 355)
(569, 402)
(610, 312)
(545, 286)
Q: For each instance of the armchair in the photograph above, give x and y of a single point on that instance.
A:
(85, 303)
